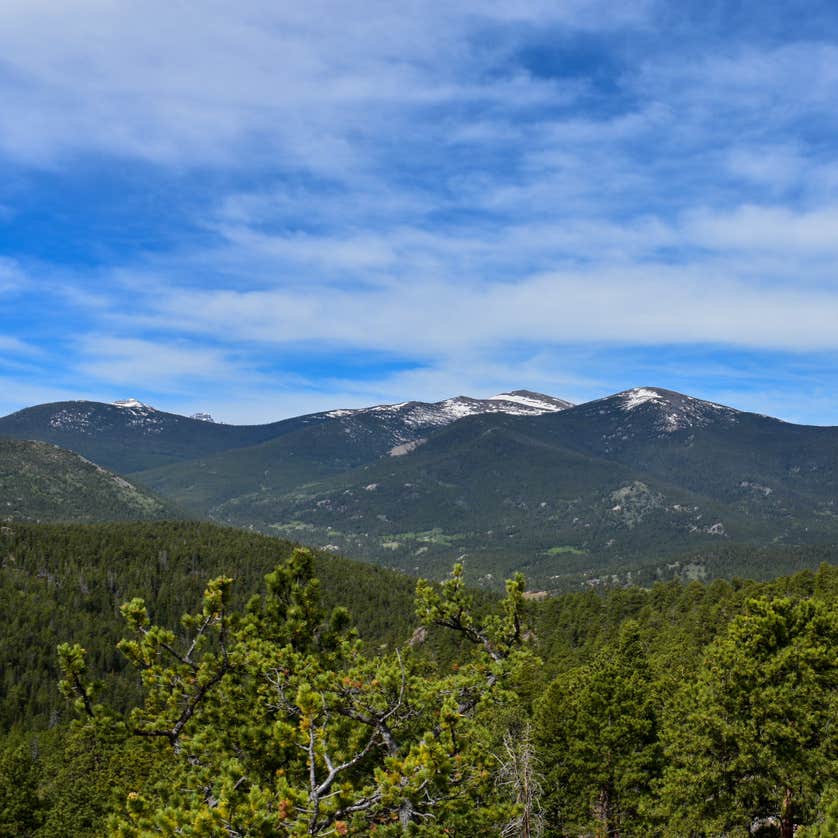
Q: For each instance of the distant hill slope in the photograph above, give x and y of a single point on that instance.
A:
(41, 482)
(129, 436)
(626, 483)
(133, 436)
(611, 485)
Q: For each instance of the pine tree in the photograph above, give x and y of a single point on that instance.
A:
(280, 725)
(21, 808)
(755, 737)
(597, 728)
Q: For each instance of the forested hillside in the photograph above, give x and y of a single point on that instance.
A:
(614, 486)
(630, 488)
(679, 709)
(66, 582)
(41, 482)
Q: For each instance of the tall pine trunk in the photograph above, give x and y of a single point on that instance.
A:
(786, 820)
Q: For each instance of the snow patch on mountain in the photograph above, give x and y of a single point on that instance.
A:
(634, 398)
(674, 411)
(68, 419)
(131, 404)
(535, 402)
(387, 408)
(141, 416)
(408, 423)
(461, 406)
(438, 414)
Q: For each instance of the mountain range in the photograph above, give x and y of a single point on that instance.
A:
(644, 479)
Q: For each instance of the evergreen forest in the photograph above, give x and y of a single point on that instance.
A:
(188, 679)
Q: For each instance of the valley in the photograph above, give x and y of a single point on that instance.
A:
(624, 488)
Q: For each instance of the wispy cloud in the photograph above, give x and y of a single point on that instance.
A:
(115, 360)
(12, 276)
(176, 84)
(227, 202)
(15, 346)
(641, 304)
(769, 228)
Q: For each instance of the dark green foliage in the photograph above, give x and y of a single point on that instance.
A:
(826, 823)
(597, 733)
(63, 783)
(683, 658)
(697, 661)
(65, 583)
(21, 809)
(87, 771)
(753, 737)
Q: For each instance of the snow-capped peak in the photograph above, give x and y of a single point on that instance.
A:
(131, 404)
(640, 395)
(676, 411)
(410, 418)
(537, 402)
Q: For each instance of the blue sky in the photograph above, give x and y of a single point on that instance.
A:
(261, 208)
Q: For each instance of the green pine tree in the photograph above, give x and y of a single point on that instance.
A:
(278, 724)
(21, 808)
(754, 738)
(597, 731)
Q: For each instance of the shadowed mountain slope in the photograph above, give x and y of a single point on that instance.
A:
(517, 481)
(621, 482)
(132, 436)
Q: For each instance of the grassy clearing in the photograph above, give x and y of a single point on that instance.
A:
(565, 550)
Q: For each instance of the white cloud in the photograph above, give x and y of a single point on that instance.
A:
(151, 364)
(15, 346)
(772, 228)
(307, 86)
(12, 276)
(643, 304)
(778, 166)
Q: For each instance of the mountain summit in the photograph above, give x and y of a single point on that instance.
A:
(516, 480)
(438, 414)
(131, 404)
(532, 402)
(667, 410)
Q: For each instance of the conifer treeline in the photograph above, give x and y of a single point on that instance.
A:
(683, 709)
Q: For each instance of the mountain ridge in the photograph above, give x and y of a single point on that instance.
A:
(516, 481)
(129, 436)
(625, 480)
